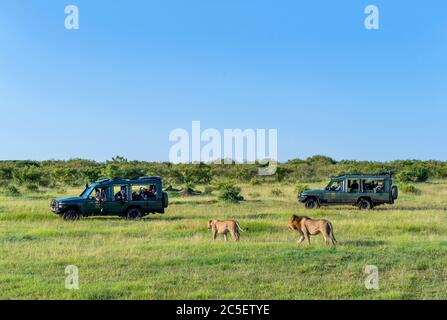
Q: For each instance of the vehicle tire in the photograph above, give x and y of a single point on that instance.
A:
(311, 203)
(165, 200)
(365, 204)
(71, 215)
(394, 192)
(134, 214)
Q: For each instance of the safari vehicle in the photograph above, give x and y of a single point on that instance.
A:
(363, 191)
(127, 198)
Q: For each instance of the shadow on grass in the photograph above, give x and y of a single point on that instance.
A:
(409, 208)
(362, 243)
(375, 209)
(194, 202)
(148, 218)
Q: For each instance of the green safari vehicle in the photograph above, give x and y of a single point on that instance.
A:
(362, 190)
(131, 199)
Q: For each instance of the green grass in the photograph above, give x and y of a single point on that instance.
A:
(172, 256)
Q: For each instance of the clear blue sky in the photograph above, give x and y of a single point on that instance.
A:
(307, 68)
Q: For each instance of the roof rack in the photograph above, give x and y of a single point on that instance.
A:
(364, 174)
(149, 178)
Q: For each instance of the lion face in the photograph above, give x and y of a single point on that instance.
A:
(210, 224)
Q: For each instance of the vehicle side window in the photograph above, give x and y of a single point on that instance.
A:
(353, 186)
(100, 195)
(376, 186)
(336, 186)
(119, 193)
(144, 193)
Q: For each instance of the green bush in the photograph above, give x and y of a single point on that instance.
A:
(12, 191)
(230, 193)
(255, 182)
(32, 187)
(409, 188)
(301, 188)
(277, 192)
(208, 191)
(414, 174)
(27, 174)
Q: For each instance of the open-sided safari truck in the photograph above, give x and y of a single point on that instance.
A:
(362, 190)
(127, 198)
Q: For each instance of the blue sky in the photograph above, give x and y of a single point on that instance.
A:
(135, 70)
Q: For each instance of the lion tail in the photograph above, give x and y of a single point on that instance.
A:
(331, 232)
(239, 227)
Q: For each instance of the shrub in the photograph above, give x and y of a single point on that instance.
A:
(189, 191)
(301, 188)
(414, 174)
(254, 195)
(230, 193)
(27, 174)
(281, 173)
(208, 191)
(61, 190)
(409, 188)
(255, 182)
(12, 191)
(32, 187)
(277, 192)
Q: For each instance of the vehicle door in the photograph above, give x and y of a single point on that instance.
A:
(154, 201)
(91, 207)
(376, 189)
(333, 192)
(353, 188)
(113, 205)
(138, 195)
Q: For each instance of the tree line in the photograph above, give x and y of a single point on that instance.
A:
(77, 172)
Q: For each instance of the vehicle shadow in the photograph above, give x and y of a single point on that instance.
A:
(375, 209)
(147, 218)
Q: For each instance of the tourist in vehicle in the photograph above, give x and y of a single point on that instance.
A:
(354, 186)
(152, 192)
(337, 187)
(121, 195)
(379, 187)
(100, 195)
(143, 193)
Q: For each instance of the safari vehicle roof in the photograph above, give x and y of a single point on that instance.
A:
(115, 181)
(363, 176)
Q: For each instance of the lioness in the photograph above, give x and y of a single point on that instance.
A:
(223, 227)
(307, 227)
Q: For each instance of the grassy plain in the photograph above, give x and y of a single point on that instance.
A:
(172, 256)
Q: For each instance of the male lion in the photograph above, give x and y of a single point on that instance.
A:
(307, 227)
(223, 227)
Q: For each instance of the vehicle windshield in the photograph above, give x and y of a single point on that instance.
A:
(87, 191)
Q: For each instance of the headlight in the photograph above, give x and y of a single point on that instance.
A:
(60, 205)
